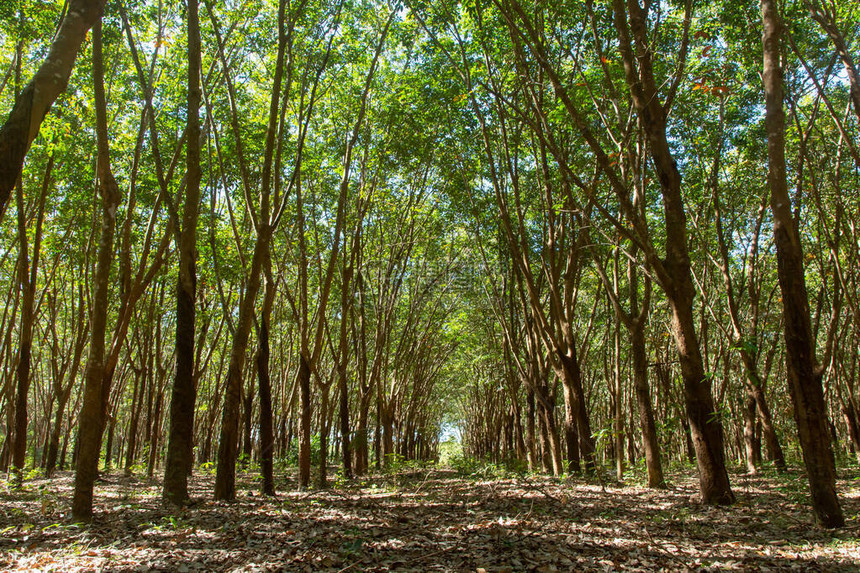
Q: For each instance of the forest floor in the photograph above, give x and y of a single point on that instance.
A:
(430, 520)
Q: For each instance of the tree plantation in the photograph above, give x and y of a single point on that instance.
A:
(491, 285)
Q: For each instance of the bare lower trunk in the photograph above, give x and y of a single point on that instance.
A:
(752, 455)
(571, 434)
(771, 440)
(530, 429)
(267, 438)
(646, 411)
(56, 431)
(572, 382)
(180, 445)
(225, 475)
(804, 378)
(304, 381)
(850, 416)
(345, 444)
(552, 442)
(92, 416)
(322, 481)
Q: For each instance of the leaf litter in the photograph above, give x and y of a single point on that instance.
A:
(432, 520)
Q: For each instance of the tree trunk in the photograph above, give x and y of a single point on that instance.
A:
(180, 445)
(754, 387)
(553, 442)
(530, 429)
(225, 474)
(618, 414)
(267, 437)
(752, 455)
(91, 420)
(54, 444)
(345, 444)
(674, 271)
(27, 279)
(134, 420)
(247, 417)
(804, 377)
(642, 389)
(304, 381)
(572, 382)
(850, 416)
(360, 445)
(343, 360)
(322, 479)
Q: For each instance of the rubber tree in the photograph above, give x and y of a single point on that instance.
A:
(91, 419)
(265, 223)
(180, 445)
(804, 375)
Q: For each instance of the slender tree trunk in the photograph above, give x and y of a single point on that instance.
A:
(619, 404)
(804, 377)
(180, 446)
(571, 432)
(360, 444)
(342, 362)
(322, 479)
(641, 386)
(54, 445)
(27, 278)
(304, 382)
(850, 416)
(111, 427)
(530, 429)
(553, 442)
(247, 417)
(91, 420)
(572, 384)
(752, 454)
(155, 431)
(267, 437)
(755, 389)
(134, 420)
(674, 271)
(345, 443)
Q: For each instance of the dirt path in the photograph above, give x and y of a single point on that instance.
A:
(429, 521)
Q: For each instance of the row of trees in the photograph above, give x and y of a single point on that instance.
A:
(549, 225)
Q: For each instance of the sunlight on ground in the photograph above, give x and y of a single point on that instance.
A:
(427, 521)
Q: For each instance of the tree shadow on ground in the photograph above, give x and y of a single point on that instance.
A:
(430, 521)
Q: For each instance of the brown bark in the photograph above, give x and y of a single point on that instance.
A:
(342, 362)
(304, 382)
(27, 272)
(225, 478)
(322, 478)
(804, 377)
(92, 416)
(634, 321)
(530, 429)
(641, 387)
(674, 271)
(267, 437)
(180, 445)
(228, 444)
